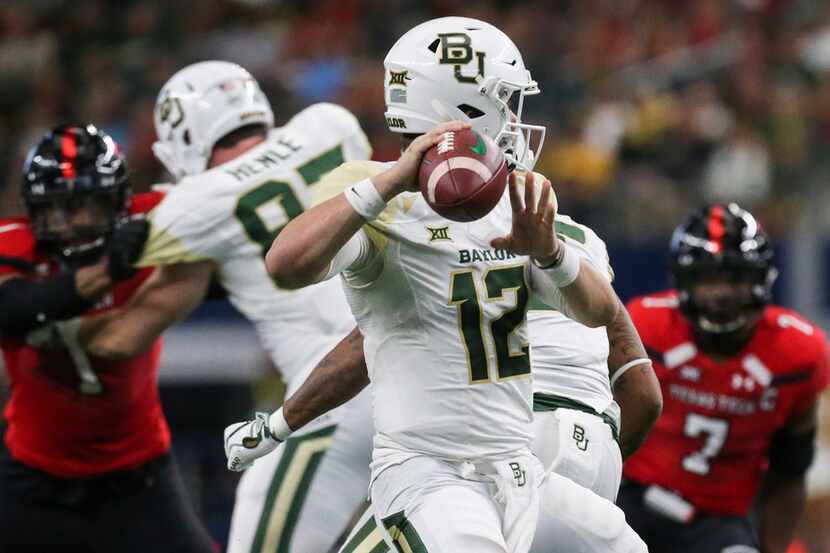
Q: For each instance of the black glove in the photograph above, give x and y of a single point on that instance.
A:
(125, 247)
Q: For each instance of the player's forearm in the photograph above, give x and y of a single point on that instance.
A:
(590, 298)
(638, 395)
(167, 297)
(635, 387)
(339, 377)
(303, 251)
(113, 336)
(782, 504)
(26, 305)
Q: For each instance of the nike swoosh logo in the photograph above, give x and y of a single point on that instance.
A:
(480, 148)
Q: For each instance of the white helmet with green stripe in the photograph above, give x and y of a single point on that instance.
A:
(465, 69)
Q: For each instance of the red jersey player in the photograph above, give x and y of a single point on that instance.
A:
(740, 381)
(86, 463)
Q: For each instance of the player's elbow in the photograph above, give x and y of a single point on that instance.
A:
(602, 311)
(652, 402)
(112, 354)
(285, 268)
(116, 351)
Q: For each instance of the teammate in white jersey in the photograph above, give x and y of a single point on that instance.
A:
(576, 419)
(239, 181)
(443, 318)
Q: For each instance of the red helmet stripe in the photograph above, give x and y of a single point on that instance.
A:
(716, 228)
(69, 151)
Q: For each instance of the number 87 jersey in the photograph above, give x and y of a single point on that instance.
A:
(710, 445)
(230, 215)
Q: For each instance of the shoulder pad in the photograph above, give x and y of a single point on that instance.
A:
(331, 117)
(338, 180)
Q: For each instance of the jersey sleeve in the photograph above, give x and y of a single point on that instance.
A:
(17, 247)
(342, 124)
(184, 230)
(359, 260)
(819, 376)
(586, 243)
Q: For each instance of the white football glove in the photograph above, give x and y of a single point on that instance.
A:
(245, 442)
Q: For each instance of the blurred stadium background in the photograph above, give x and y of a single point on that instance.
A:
(652, 107)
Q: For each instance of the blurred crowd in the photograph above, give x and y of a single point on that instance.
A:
(652, 106)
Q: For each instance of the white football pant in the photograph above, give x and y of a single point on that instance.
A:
(301, 497)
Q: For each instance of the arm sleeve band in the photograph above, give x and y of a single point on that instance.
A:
(791, 454)
(26, 305)
(355, 255)
(545, 287)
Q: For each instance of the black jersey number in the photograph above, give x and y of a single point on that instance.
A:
(465, 297)
(264, 210)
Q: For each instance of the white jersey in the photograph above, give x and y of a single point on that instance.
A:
(443, 319)
(570, 360)
(231, 214)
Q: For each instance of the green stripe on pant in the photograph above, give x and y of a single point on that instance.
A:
(300, 458)
(367, 540)
(404, 535)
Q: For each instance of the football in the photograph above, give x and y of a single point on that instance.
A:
(463, 177)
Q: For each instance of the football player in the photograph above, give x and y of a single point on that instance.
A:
(740, 378)
(444, 332)
(239, 181)
(86, 464)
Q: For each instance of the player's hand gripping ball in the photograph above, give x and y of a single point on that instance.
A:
(463, 177)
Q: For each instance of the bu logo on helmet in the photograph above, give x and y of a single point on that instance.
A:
(456, 50)
(166, 111)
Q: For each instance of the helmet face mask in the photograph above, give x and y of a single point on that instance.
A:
(198, 106)
(722, 300)
(520, 141)
(76, 228)
(722, 266)
(75, 189)
(465, 69)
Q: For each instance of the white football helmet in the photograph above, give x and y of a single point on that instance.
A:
(465, 69)
(199, 105)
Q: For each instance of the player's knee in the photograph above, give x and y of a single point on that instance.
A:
(585, 512)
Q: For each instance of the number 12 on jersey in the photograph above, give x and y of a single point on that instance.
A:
(464, 295)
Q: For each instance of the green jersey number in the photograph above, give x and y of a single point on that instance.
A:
(464, 295)
(279, 196)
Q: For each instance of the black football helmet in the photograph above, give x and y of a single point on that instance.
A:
(722, 238)
(70, 168)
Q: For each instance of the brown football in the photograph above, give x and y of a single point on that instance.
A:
(463, 177)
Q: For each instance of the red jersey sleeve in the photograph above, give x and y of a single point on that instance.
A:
(17, 246)
(142, 203)
(651, 315)
(819, 375)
